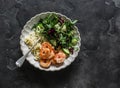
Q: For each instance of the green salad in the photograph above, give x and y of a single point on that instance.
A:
(59, 31)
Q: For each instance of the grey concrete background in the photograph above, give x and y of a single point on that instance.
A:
(98, 62)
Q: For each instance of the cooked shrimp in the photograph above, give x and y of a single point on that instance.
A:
(53, 61)
(60, 57)
(48, 52)
(45, 63)
(52, 54)
(47, 45)
(45, 53)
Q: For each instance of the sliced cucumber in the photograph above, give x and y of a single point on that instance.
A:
(66, 51)
(74, 41)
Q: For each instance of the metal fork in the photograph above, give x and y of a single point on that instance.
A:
(21, 60)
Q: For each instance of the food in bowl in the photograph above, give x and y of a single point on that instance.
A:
(58, 40)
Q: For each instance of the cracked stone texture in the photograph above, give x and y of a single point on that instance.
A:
(98, 62)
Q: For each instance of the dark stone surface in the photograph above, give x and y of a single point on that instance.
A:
(98, 62)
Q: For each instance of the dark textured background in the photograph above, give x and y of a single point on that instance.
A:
(98, 62)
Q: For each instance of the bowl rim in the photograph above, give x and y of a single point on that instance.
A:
(48, 12)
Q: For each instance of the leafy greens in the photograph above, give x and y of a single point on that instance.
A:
(58, 31)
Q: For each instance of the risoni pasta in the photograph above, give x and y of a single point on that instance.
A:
(29, 41)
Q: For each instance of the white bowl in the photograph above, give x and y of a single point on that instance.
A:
(26, 31)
